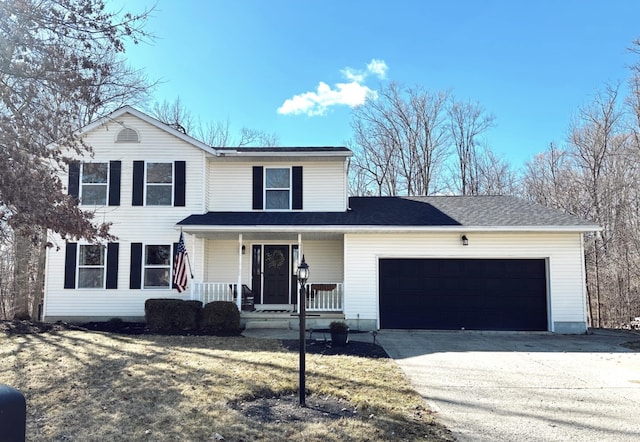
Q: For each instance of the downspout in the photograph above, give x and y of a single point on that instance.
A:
(583, 269)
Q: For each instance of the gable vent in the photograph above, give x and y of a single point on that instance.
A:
(127, 135)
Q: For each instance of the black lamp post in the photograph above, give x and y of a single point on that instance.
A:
(303, 275)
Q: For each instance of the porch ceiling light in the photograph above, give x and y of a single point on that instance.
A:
(303, 272)
(465, 240)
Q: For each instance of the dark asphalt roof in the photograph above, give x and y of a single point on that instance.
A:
(477, 211)
(290, 149)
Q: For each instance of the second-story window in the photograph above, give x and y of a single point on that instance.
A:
(94, 184)
(277, 188)
(159, 184)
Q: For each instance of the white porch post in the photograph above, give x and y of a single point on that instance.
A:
(239, 286)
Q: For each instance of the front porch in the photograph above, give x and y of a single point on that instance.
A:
(264, 265)
(320, 297)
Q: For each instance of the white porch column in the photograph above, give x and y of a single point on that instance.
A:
(239, 286)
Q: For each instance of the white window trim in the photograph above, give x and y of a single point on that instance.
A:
(107, 184)
(173, 178)
(290, 189)
(146, 266)
(103, 267)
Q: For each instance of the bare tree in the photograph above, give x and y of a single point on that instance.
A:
(495, 175)
(59, 67)
(400, 139)
(212, 133)
(467, 122)
(174, 114)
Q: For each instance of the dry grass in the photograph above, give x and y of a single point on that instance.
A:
(90, 386)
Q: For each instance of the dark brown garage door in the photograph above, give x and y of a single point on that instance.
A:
(452, 294)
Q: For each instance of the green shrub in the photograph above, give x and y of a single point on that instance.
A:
(164, 315)
(221, 317)
(188, 318)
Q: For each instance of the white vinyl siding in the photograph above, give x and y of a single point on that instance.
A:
(143, 224)
(324, 259)
(562, 251)
(324, 186)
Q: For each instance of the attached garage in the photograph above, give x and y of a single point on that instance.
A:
(471, 294)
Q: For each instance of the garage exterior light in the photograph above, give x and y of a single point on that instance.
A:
(465, 240)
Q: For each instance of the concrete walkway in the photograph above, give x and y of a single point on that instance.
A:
(524, 386)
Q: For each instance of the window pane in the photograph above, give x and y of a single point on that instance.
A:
(277, 178)
(94, 172)
(95, 194)
(90, 278)
(91, 255)
(277, 199)
(156, 278)
(159, 173)
(294, 263)
(159, 195)
(158, 255)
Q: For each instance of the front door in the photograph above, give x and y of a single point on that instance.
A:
(276, 275)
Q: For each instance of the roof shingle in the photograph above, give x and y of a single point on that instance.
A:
(429, 211)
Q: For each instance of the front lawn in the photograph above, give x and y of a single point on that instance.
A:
(92, 386)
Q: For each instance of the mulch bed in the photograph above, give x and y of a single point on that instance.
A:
(287, 409)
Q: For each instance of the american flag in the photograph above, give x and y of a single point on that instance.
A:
(180, 266)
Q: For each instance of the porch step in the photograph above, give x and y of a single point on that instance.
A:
(267, 323)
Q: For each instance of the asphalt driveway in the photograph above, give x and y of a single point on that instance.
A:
(524, 386)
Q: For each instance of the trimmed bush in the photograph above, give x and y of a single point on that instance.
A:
(221, 317)
(163, 315)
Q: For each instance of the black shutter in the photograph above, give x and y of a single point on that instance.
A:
(296, 180)
(74, 180)
(173, 263)
(112, 265)
(179, 186)
(138, 183)
(70, 265)
(135, 272)
(115, 168)
(257, 187)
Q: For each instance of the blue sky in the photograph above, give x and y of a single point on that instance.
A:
(529, 63)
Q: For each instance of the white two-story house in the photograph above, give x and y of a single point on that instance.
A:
(249, 214)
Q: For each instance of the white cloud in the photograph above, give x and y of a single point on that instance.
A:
(352, 94)
(317, 103)
(378, 67)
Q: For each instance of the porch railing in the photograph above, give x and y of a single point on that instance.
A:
(321, 297)
(325, 297)
(212, 291)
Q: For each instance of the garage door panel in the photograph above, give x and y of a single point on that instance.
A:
(475, 294)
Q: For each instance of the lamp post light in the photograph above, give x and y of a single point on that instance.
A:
(303, 275)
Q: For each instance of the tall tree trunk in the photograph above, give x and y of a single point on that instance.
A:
(22, 252)
(38, 284)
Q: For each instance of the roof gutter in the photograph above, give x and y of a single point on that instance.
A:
(388, 229)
